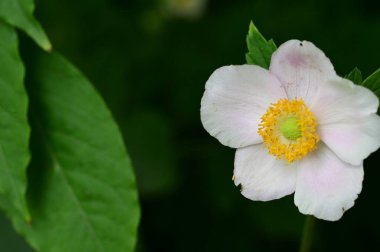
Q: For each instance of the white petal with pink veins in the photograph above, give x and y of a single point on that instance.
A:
(326, 186)
(262, 176)
(301, 68)
(235, 99)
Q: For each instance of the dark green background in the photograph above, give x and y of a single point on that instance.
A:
(151, 67)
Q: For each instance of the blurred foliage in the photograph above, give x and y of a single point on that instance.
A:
(151, 64)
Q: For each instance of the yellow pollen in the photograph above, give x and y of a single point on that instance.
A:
(288, 129)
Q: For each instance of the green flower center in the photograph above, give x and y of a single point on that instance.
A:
(290, 128)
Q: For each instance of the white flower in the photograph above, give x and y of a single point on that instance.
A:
(298, 128)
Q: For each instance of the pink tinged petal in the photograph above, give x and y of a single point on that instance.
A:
(339, 100)
(326, 186)
(352, 140)
(235, 99)
(345, 113)
(301, 68)
(262, 176)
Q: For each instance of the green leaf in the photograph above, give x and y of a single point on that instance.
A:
(372, 82)
(82, 193)
(14, 129)
(355, 76)
(259, 49)
(19, 13)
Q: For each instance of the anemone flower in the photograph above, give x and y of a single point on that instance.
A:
(298, 128)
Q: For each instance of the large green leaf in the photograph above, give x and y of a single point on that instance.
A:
(14, 129)
(373, 82)
(19, 13)
(82, 192)
(355, 76)
(259, 49)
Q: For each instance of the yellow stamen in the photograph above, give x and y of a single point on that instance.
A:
(288, 129)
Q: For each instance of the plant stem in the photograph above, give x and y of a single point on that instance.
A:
(307, 235)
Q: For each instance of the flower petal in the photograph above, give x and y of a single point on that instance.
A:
(235, 99)
(326, 186)
(339, 99)
(301, 68)
(262, 176)
(352, 140)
